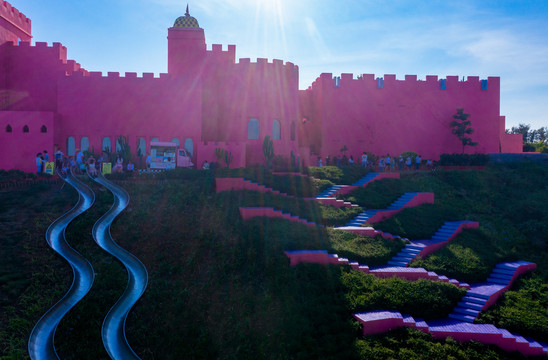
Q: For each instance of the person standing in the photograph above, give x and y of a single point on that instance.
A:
(46, 160)
(418, 162)
(39, 163)
(148, 162)
(408, 163)
(58, 158)
(364, 159)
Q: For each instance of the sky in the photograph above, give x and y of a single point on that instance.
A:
(505, 38)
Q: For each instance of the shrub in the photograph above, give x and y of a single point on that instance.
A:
(366, 292)
(331, 173)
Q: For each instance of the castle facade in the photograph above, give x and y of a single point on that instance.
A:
(208, 100)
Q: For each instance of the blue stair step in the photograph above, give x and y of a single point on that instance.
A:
(503, 272)
(497, 281)
(397, 263)
(466, 311)
(470, 305)
(402, 259)
(466, 318)
(501, 276)
(478, 295)
(474, 299)
(414, 247)
(406, 255)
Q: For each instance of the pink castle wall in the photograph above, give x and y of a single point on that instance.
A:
(19, 148)
(403, 115)
(14, 25)
(209, 98)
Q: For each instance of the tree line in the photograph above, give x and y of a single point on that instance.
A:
(533, 139)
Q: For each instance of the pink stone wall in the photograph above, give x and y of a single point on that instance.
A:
(403, 115)
(13, 24)
(98, 106)
(209, 98)
(27, 145)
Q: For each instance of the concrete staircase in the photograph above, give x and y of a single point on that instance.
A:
(251, 212)
(226, 184)
(323, 257)
(404, 201)
(483, 295)
(363, 182)
(377, 322)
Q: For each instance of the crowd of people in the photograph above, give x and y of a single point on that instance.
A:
(82, 162)
(382, 163)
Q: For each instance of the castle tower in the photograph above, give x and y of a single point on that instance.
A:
(186, 46)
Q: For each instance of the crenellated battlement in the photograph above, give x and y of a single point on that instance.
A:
(14, 17)
(263, 63)
(38, 45)
(98, 75)
(327, 80)
(217, 50)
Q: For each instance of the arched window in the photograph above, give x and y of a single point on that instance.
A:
(84, 144)
(189, 146)
(276, 131)
(43, 129)
(70, 146)
(141, 147)
(293, 131)
(26, 129)
(154, 139)
(253, 129)
(106, 144)
(118, 145)
(176, 141)
(8, 128)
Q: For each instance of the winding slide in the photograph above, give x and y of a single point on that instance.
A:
(41, 341)
(113, 331)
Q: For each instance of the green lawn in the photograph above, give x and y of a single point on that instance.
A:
(222, 288)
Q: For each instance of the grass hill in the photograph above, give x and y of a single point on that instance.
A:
(222, 288)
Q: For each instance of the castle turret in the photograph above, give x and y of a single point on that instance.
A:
(186, 46)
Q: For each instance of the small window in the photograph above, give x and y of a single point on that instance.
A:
(484, 84)
(189, 146)
(293, 131)
(141, 147)
(276, 131)
(106, 144)
(25, 129)
(176, 141)
(154, 139)
(443, 84)
(43, 129)
(379, 82)
(71, 144)
(8, 128)
(253, 129)
(84, 144)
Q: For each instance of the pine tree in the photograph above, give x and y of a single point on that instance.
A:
(462, 127)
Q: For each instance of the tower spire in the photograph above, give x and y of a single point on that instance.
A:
(187, 13)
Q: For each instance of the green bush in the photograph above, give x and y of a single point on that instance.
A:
(412, 344)
(342, 175)
(363, 249)
(331, 173)
(523, 309)
(365, 292)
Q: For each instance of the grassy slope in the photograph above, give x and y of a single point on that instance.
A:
(222, 288)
